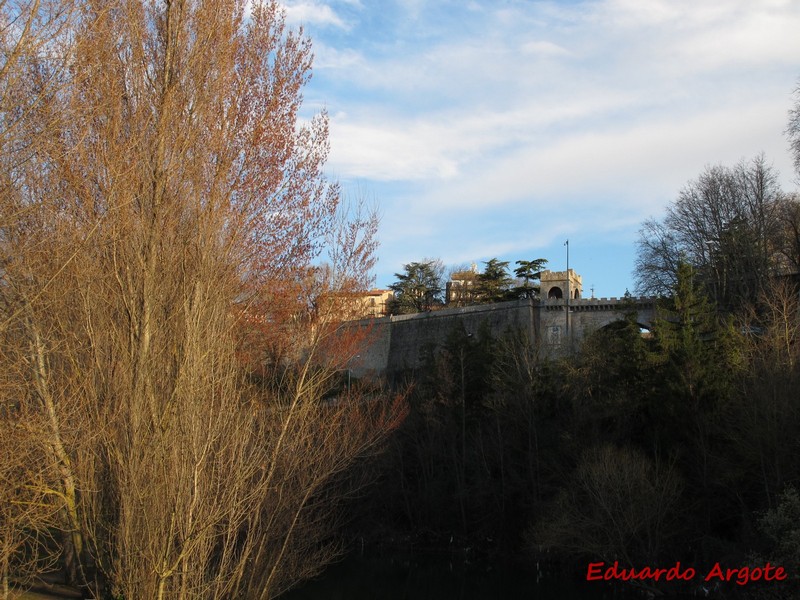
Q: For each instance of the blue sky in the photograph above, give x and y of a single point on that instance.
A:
(501, 128)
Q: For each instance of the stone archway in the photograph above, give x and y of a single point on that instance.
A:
(555, 293)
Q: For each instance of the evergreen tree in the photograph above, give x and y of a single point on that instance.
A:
(494, 282)
(418, 289)
(697, 358)
(528, 271)
(694, 349)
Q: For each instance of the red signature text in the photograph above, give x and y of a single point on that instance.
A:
(745, 575)
(596, 572)
(599, 571)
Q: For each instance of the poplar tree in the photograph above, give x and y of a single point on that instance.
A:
(162, 202)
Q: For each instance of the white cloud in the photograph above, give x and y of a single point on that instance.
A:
(636, 164)
(304, 13)
(543, 48)
(635, 14)
(583, 118)
(383, 145)
(328, 57)
(754, 39)
(387, 153)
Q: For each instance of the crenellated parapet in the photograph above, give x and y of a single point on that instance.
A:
(593, 304)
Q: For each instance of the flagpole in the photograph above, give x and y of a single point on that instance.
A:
(568, 291)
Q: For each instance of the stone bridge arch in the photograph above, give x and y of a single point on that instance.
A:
(586, 315)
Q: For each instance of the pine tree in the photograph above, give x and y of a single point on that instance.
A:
(528, 270)
(418, 289)
(494, 282)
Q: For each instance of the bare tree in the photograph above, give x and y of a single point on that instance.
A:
(765, 414)
(724, 224)
(787, 253)
(173, 205)
(29, 504)
(657, 259)
(619, 506)
(793, 130)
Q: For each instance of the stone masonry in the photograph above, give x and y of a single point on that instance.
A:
(397, 344)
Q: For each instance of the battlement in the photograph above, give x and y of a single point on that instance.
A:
(611, 302)
(562, 275)
(599, 304)
(575, 305)
(555, 285)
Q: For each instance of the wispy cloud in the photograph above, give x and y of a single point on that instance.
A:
(602, 109)
(313, 13)
(543, 48)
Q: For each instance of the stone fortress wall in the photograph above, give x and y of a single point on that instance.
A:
(397, 344)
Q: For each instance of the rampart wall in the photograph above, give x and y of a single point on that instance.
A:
(413, 337)
(401, 343)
